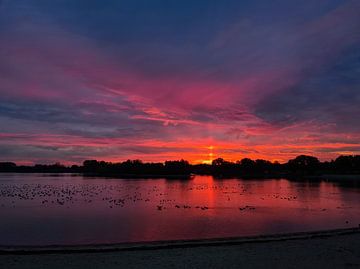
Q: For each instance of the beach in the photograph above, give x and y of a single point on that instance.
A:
(331, 249)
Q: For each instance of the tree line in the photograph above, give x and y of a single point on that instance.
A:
(301, 165)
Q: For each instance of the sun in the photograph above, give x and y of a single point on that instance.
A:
(210, 155)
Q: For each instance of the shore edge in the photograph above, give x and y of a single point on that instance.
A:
(153, 245)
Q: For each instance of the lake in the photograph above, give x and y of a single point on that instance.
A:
(43, 209)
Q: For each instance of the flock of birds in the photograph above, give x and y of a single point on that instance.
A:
(70, 194)
(119, 195)
(113, 196)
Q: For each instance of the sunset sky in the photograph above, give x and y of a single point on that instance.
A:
(166, 79)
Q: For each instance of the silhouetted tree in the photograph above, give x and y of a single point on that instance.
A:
(90, 165)
(7, 167)
(262, 166)
(218, 162)
(177, 167)
(247, 165)
(304, 164)
(347, 164)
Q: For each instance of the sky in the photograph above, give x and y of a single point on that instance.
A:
(163, 80)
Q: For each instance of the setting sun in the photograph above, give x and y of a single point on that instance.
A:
(166, 131)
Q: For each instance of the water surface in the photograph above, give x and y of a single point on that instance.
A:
(42, 209)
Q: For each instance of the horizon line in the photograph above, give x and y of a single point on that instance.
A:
(209, 162)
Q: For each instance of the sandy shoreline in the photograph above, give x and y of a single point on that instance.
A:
(154, 245)
(328, 249)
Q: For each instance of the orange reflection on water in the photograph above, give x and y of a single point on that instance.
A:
(161, 209)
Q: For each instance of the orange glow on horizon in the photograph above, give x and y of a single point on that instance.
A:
(195, 151)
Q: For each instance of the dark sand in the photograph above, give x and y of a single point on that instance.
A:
(334, 249)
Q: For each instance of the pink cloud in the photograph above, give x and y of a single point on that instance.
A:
(89, 97)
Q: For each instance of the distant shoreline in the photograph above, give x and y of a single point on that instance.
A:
(301, 166)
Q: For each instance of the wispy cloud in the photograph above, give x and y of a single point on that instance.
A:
(122, 80)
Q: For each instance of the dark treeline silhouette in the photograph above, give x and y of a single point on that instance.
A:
(136, 167)
(301, 165)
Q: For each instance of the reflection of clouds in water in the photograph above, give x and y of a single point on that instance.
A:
(128, 210)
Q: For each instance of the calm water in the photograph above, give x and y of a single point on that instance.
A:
(39, 209)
